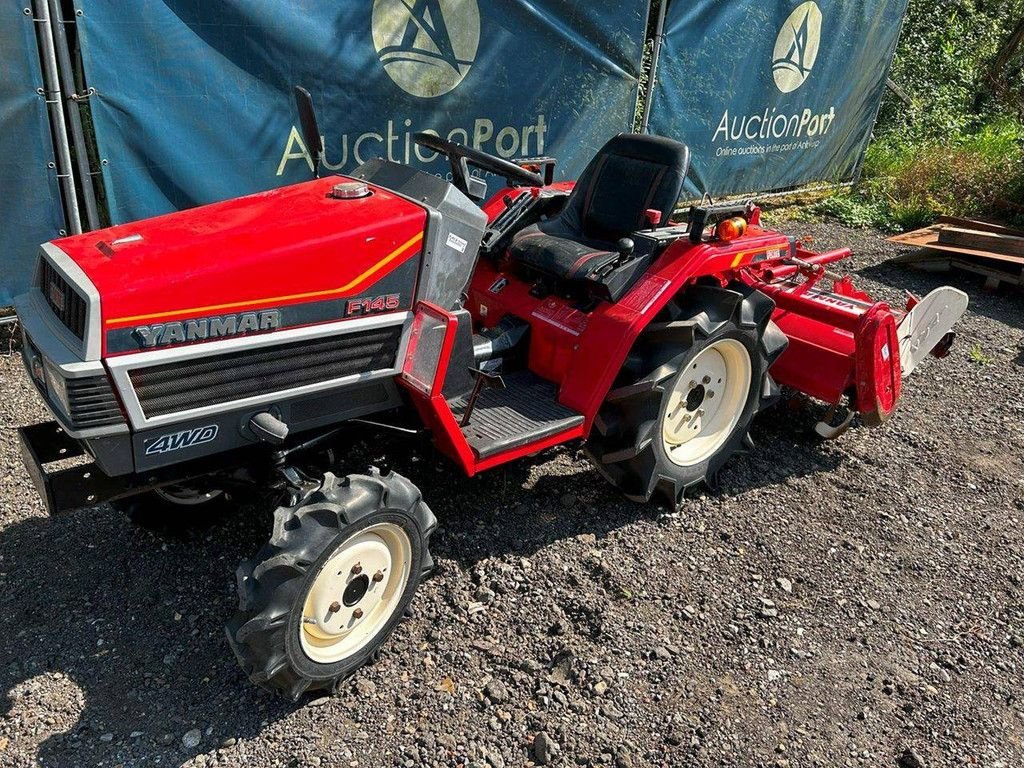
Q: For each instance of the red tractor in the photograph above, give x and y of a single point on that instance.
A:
(192, 353)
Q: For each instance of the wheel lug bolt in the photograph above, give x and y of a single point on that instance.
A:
(706, 379)
(693, 384)
(357, 569)
(378, 577)
(334, 607)
(357, 613)
(710, 395)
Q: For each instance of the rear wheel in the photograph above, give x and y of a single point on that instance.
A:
(321, 598)
(690, 388)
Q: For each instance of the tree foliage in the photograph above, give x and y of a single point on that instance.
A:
(961, 63)
(953, 143)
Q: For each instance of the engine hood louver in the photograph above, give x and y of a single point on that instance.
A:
(224, 378)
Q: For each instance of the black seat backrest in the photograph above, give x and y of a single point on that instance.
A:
(632, 174)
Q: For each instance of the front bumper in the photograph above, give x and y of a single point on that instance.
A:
(64, 489)
(57, 371)
(86, 484)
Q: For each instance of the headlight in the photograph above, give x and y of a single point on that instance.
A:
(34, 364)
(57, 387)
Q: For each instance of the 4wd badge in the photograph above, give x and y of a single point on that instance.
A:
(188, 438)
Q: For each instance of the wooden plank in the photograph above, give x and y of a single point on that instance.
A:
(929, 235)
(928, 238)
(978, 224)
(932, 260)
(995, 257)
(986, 272)
(1010, 272)
(1009, 245)
(972, 250)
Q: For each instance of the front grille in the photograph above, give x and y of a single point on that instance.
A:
(188, 384)
(93, 403)
(67, 303)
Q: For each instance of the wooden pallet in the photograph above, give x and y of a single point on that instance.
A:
(992, 250)
(990, 242)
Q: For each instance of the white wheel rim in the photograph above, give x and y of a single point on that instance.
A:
(706, 402)
(355, 593)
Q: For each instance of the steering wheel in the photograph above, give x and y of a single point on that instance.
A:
(460, 156)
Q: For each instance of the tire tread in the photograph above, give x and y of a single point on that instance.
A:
(622, 443)
(269, 584)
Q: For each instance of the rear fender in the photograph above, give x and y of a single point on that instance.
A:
(613, 329)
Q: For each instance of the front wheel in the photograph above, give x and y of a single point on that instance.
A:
(691, 385)
(321, 598)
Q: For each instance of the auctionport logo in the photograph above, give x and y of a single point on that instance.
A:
(426, 46)
(784, 127)
(796, 47)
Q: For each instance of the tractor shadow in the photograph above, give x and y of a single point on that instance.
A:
(527, 505)
(134, 619)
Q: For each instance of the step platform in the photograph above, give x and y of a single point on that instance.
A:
(524, 412)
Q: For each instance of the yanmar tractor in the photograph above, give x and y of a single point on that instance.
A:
(192, 353)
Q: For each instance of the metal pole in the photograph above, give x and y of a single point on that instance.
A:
(54, 99)
(857, 169)
(659, 33)
(67, 80)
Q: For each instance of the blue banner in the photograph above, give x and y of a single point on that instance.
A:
(30, 206)
(194, 100)
(773, 95)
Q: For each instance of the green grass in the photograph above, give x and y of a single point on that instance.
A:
(978, 355)
(906, 183)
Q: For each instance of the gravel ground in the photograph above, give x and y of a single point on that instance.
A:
(852, 603)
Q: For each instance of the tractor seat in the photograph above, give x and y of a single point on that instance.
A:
(631, 175)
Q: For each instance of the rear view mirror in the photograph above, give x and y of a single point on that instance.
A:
(310, 129)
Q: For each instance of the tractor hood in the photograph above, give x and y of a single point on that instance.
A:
(292, 256)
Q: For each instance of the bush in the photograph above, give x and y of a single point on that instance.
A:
(944, 62)
(956, 148)
(906, 184)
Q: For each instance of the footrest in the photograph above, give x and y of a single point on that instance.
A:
(524, 412)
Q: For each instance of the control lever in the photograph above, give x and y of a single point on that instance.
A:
(484, 380)
(625, 247)
(816, 269)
